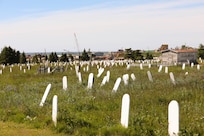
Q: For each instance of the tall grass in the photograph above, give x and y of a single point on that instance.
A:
(97, 111)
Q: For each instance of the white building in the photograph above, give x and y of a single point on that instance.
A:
(171, 57)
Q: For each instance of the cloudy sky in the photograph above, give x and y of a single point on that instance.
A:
(100, 25)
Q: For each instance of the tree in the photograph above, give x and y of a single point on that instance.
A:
(64, 58)
(9, 56)
(201, 51)
(149, 56)
(23, 58)
(53, 57)
(128, 54)
(85, 56)
(35, 59)
(137, 55)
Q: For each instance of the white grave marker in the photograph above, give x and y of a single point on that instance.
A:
(149, 65)
(133, 76)
(172, 78)
(128, 66)
(183, 66)
(125, 79)
(141, 66)
(64, 82)
(104, 81)
(11, 69)
(192, 64)
(90, 81)
(116, 85)
(149, 76)
(198, 67)
(160, 68)
(54, 110)
(125, 110)
(48, 70)
(166, 69)
(45, 95)
(173, 118)
(108, 75)
(79, 76)
(100, 71)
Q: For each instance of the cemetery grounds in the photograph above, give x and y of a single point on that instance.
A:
(97, 111)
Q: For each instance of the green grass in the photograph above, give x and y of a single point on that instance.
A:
(97, 111)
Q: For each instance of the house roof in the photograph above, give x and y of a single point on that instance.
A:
(181, 51)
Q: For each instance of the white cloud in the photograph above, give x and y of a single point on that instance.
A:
(137, 27)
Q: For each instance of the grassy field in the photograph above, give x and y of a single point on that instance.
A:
(97, 111)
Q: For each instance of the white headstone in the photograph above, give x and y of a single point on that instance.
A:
(79, 76)
(183, 66)
(48, 70)
(128, 66)
(149, 76)
(10, 69)
(24, 70)
(108, 75)
(104, 81)
(90, 81)
(54, 110)
(133, 76)
(172, 78)
(149, 65)
(1, 72)
(116, 85)
(141, 66)
(64, 82)
(198, 67)
(125, 110)
(100, 71)
(125, 79)
(192, 64)
(45, 95)
(173, 118)
(166, 69)
(160, 68)
(20, 68)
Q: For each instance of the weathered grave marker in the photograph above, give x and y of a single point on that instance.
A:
(90, 81)
(166, 69)
(125, 110)
(198, 67)
(183, 66)
(100, 72)
(54, 110)
(149, 65)
(172, 78)
(141, 66)
(116, 85)
(64, 83)
(45, 95)
(160, 68)
(104, 81)
(108, 75)
(125, 79)
(149, 76)
(133, 76)
(192, 64)
(128, 66)
(173, 118)
(79, 76)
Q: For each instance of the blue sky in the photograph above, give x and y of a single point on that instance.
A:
(100, 25)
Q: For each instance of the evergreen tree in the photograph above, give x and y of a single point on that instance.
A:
(149, 56)
(85, 56)
(23, 58)
(35, 59)
(201, 51)
(9, 56)
(64, 58)
(53, 57)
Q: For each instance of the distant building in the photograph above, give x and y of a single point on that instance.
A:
(170, 57)
(163, 47)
